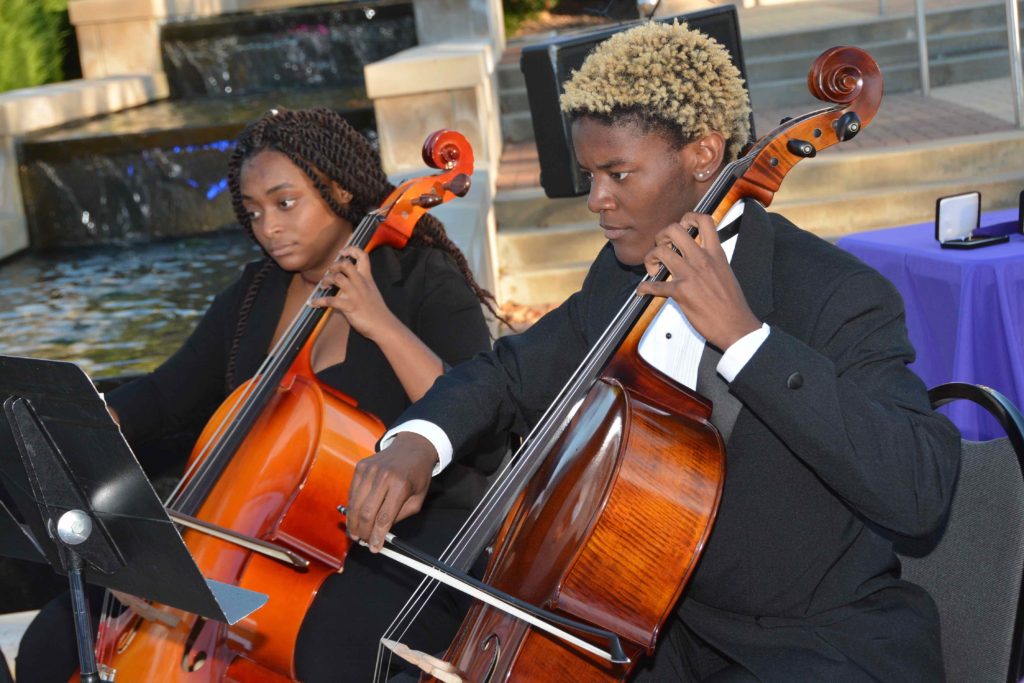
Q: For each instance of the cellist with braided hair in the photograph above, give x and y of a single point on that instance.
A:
(300, 181)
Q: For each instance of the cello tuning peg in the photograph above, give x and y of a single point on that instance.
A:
(459, 185)
(801, 148)
(427, 200)
(847, 126)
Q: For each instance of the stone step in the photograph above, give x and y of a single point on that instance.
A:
(835, 171)
(514, 100)
(531, 274)
(869, 209)
(964, 44)
(841, 171)
(764, 68)
(768, 68)
(875, 30)
(905, 77)
(516, 126)
(537, 248)
(792, 92)
(530, 208)
(834, 195)
(543, 285)
(509, 76)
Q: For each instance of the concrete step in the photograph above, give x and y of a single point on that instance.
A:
(876, 30)
(905, 77)
(841, 172)
(544, 244)
(768, 68)
(964, 44)
(536, 248)
(517, 126)
(868, 209)
(509, 76)
(764, 68)
(835, 172)
(514, 100)
(792, 92)
(531, 208)
(542, 285)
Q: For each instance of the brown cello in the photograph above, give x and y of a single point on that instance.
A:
(258, 500)
(614, 493)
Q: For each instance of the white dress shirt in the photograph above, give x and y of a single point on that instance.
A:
(670, 344)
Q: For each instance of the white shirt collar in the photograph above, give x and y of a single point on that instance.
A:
(733, 214)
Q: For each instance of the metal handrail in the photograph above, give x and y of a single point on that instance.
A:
(1016, 76)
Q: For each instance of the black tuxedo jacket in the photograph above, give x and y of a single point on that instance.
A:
(835, 448)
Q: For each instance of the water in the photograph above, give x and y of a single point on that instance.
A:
(115, 310)
(154, 171)
(300, 47)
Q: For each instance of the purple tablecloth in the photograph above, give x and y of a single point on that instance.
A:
(965, 310)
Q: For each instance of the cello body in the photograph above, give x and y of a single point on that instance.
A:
(283, 486)
(628, 494)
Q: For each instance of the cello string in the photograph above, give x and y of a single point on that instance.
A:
(561, 410)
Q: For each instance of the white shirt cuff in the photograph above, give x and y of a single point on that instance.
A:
(429, 431)
(740, 353)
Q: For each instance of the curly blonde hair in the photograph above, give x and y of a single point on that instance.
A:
(667, 76)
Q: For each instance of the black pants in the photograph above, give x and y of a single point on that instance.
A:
(339, 637)
(48, 652)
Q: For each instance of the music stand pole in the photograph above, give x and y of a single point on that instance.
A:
(74, 527)
(82, 500)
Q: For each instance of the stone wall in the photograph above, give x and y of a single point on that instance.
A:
(31, 109)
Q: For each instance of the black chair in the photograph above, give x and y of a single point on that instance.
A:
(973, 566)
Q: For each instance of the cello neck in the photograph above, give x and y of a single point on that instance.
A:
(269, 376)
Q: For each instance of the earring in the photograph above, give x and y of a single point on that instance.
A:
(701, 175)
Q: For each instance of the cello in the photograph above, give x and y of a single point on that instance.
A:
(257, 499)
(603, 514)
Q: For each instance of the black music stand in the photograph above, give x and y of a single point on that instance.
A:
(84, 502)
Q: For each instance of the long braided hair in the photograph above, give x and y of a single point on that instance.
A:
(326, 148)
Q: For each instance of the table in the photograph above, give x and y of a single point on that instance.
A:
(965, 310)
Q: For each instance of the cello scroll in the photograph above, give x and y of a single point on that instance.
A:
(846, 77)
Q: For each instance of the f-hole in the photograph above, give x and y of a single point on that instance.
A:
(193, 662)
(491, 640)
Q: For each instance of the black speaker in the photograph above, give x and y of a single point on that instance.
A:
(549, 64)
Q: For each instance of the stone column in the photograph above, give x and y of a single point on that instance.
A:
(444, 85)
(438, 21)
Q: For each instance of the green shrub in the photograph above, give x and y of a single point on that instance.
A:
(32, 37)
(518, 11)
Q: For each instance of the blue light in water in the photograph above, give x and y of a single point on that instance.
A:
(192, 182)
(217, 188)
(131, 170)
(176, 149)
